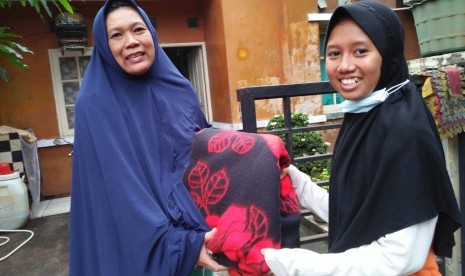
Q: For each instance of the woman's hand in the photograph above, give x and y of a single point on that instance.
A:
(205, 258)
(284, 172)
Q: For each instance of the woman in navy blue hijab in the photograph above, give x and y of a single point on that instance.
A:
(135, 121)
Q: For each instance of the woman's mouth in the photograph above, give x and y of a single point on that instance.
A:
(134, 55)
(350, 81)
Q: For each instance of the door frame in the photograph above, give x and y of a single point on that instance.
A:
(201, 76)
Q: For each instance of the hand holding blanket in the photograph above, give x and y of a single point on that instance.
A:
(234, 179)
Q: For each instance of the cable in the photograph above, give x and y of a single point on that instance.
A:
(6, 240)
(19, 246)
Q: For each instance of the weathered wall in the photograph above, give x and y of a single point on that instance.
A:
(268, 42)
(412, 49)
(217, 61)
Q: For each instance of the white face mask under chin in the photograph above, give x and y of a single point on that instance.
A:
(366, 104)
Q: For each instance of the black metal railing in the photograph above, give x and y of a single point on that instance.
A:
(249, 95)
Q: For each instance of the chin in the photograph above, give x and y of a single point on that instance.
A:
(138, 71)
(350, 96)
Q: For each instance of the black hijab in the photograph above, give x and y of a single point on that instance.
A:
(388, 168)
(384, 28)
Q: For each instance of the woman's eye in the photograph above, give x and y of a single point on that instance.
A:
(360, 51)
(333, 53)
(139, 30)
(116, 36)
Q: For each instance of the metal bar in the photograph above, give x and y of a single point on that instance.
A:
(248, 96)
(303, 129)
(316, 157)
(288, 126)
(282, 90)
(314, 238)
(249, 116)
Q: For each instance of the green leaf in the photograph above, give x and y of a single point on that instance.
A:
(24, 49)
(46, 8)
(67, 6)
(17, 46)
(36, 6)
(13, 56)
(5, 3)
(8, 35)
(10, 51)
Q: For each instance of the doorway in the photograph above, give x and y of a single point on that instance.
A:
(190, 59)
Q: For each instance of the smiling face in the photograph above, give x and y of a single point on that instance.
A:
(130, 41)
(353, 63)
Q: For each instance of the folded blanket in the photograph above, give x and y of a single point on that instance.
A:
(234, 179)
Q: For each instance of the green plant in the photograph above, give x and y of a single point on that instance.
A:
(305, 144)
(13, 51)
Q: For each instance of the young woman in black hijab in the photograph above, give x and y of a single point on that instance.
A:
(391, 202)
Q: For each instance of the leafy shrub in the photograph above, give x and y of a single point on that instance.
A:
(305, 144)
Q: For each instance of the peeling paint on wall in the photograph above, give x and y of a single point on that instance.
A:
(310, 105)
(258, 82)
(303, 62)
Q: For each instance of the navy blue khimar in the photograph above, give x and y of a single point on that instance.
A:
(130, 212)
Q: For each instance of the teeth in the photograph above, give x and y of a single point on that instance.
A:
(349, 81)
(134, 55)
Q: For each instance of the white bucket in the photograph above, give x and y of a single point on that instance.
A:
(14, 203)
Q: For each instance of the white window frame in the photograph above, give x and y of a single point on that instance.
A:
(54, 55)
(322, 19)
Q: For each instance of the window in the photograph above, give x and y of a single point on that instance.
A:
(68, 69)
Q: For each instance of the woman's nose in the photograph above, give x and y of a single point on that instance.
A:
(346, 64)
(130, 40)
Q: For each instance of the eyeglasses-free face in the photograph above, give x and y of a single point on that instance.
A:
(130, 41)
(353, 63)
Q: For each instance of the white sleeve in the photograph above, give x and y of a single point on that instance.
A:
(400, 253)
(311, 196)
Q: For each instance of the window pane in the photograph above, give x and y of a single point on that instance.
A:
(70, 90)
(68, 68)
(327, 99)
(83, 62)
(70, 114)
